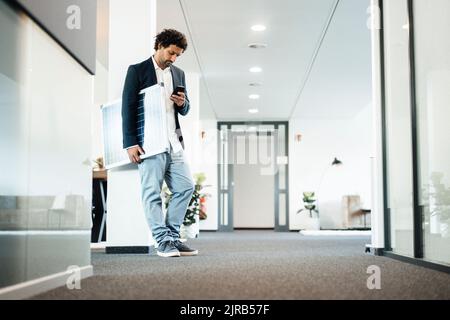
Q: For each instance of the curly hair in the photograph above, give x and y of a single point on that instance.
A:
(170, 36)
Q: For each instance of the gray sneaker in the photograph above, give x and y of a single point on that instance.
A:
(167, 249)
(184, 249)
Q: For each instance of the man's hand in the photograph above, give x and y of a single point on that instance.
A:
(134, 154)
(178, 99)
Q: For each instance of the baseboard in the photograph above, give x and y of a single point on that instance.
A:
(335, 233)
(34, 287)
(127, 249)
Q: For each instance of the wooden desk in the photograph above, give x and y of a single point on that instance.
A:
(100, 174)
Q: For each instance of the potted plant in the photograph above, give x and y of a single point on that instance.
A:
(196, 209)
(199, 180)
(309, 204)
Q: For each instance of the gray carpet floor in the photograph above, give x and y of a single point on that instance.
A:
(253, 265)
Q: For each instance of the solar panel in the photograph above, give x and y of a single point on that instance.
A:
(151, 127)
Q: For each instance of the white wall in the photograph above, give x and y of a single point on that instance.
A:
(208, 158)
(209, 167)
(190, 124)
(310, 165)
(100, 97)
(132, 30)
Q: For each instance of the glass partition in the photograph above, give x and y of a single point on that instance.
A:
(45, 146)
(398, 126)
(432, 68)
(416, 104)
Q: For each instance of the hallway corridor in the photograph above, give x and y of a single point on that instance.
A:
(258, 265)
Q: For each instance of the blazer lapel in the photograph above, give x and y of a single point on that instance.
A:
(175, 78)
(149, 76)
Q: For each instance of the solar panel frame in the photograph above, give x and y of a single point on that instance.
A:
(113, 153)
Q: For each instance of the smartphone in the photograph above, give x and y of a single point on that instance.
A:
(178, 90)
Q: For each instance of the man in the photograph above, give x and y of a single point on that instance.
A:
(169, 166)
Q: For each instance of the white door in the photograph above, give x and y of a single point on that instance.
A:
(254, 183)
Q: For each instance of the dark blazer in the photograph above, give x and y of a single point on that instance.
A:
(141, 76)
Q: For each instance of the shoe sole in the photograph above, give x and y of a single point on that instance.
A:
(186, 254)
(168, 255)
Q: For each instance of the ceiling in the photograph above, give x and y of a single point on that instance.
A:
(316, 64)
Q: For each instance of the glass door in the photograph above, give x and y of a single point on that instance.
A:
(247, 143)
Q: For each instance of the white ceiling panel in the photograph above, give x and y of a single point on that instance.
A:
(219, 33)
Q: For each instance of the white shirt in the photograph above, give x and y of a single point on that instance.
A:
(165, 76)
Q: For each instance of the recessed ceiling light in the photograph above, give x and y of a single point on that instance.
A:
(253, 111)
(255, 69)
(257, 45)
(258, 27)
(254, 96)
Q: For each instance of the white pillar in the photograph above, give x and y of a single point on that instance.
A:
(131, 36)
(132, 29)
(190, 124)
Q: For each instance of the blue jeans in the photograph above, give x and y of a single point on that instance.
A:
(172, 168)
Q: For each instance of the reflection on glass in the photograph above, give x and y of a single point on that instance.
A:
(432, 53)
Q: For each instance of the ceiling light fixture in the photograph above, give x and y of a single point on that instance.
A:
(255, 69)
(254, 96)
(258, 27)
(253, 111)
